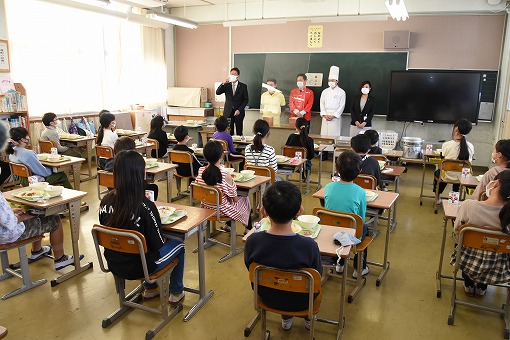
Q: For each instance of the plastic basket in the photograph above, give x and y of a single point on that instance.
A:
(388, 139)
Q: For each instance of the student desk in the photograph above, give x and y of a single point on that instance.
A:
(71, 200)
(385, 200)
(254, 185)
(159, 172)
(73, 162)
(319, 150)
(298, 164)
(396, 172)
(425, 160)
(83, 141)
(131, 134)
(450, 213)
(144, 149)
(328, 248)
(323, 139)
(465, 183)
(194, 221)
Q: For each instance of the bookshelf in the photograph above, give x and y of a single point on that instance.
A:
(13, 107)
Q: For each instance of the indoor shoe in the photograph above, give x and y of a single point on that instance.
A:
(470, 291)
(308, 324)
(65, 261)
(45, 250)
(176, 299)
(479, 291)
(439, 200)
(150, 293)
(287, 323)
(339, 268)
(364, 272)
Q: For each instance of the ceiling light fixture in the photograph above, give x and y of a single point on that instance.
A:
(173, 20)
(349, 18)
(144, 3)
(397, 11)
(254, 22)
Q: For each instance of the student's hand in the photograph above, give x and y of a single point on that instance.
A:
(237, 113)
(18, 211)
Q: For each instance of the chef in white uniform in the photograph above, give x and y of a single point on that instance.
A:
(332, 105)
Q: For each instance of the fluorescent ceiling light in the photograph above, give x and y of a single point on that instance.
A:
(397, 11)
(349, 18)
(170, 19)
(254, 22)
(143, 3)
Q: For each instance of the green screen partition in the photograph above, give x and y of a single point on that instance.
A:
(354, 68)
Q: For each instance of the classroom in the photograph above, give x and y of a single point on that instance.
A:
(147, 75)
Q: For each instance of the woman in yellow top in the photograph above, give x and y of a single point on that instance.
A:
(271, 101)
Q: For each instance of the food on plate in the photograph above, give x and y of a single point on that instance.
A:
(32, 194)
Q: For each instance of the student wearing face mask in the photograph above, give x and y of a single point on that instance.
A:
(271, 102)
(301, 100)
(362, 109)
(236, 99)
(332, 105)
(501, 157)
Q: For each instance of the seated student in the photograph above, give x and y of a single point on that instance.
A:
(260, 153)
(369, 166)
(181, 135)
(374, 139)
(501, 157)
(281, 248)
(126, 207)
(5, 171)
(18, 153)
(483, 267)
(233, 206)
(345, 196)
(125, 143)
(106, 135)
(301, 138)
(221, 124)
(50, 133)
(158, 134)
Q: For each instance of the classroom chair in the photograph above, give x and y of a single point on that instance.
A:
(46, 145)
(379, 157)
(353, 221)
(104, 179)
(290, 151)
(261, 170)
(302, 281)
(451, 165)
(212, 196)
(22, 171)
(132, 242)
(155, 147)
(484, 239)
(103, 151)
(181, 158)
(370, 182)
(23, 272)
(230, 160)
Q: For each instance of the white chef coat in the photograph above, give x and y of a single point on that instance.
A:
(332, 103)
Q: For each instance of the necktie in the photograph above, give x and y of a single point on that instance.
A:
(234, 86)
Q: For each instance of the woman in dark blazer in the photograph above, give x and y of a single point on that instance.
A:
(362, 109)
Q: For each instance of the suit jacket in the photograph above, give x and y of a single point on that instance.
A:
(368, 110)
(233, 102)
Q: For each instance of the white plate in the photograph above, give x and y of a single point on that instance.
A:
(177, 215)
(370, 193)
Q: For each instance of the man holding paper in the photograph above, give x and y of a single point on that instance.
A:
(236, 99)
(271, 102)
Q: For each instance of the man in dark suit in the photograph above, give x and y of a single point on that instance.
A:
(236, 99)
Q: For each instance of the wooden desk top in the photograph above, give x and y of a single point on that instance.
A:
(295, 165)
(141, 146)
(186, 124)
(384, 200)
(82, 138)
(394, 153)
(322, 137)
(397, 170)
(68, 195)
(320, 148)
(71, 161)
(133, 134)
(469, 181)
(161, 168)
(450, 210)
(253, 183)
(194, 217)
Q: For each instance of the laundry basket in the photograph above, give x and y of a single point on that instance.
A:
(388, 139)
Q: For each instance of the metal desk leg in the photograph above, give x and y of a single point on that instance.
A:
(74, 221)
(76, 175)
(341, 318)
(422, 180)
(441, 255)
(203, 295)
(169, 176)
(89, 161)
(386, 263)
(319, 185)
(394, 221)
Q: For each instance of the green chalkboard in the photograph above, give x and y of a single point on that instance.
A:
(354, 68)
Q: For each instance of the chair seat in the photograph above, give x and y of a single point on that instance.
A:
(365, 242)
(162, 271)
(13, 245)
(301, 313)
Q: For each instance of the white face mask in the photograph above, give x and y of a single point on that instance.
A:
(331, 84)
(300, 84)
(365, 90)
(488, 190)
(232, 78)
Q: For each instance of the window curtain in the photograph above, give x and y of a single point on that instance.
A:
(71, 61)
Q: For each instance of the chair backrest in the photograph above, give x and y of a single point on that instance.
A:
(46, 145)
(483, 238)
(20, 170)
(207, 194)
(261, 170)
(304, 280)
(454, 165)
(379, 157)
(290, 151)
(106, 179)
(340, 219)
(104, 151)
(181, 157)
(155, 143)
(366, 181)
(223, 143)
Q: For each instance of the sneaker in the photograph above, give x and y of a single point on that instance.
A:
(65, 261)
(439, 200)
(176, 299)
(150, 293)
(287, 323)
(45, 250)
(226, 228)
(479, 291)
(470, 291)
(363, 272)
(339, 268)
(308, 324)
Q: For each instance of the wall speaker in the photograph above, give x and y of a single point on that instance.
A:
(396, 39)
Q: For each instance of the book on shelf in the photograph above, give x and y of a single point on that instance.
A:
(15, 121)
(13, 101)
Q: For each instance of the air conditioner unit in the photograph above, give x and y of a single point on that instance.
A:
(144, 3)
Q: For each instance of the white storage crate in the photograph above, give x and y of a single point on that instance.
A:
(388, 139)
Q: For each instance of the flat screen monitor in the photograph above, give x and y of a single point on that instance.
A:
(434, 96)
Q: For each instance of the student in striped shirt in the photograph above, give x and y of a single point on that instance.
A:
(260, 153)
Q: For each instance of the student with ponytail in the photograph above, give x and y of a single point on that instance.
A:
(237, 208)
(260, 153)
(106, 134)
(483, 267)
(501, 157)
(457, 148)
(301, 138)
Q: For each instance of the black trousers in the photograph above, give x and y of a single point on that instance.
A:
(237, 122)
(442, 185)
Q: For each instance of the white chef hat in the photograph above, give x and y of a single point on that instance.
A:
(334, 71)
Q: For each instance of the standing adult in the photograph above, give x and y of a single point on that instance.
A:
(362, 109)
(301, 100)
(236, 99)
(271, 101)
(332, 105)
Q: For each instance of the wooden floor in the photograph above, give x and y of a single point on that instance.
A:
(405, 306)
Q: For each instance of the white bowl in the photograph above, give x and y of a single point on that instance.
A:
(370, 194)
(385, 151)
(381, 164)
(165, 213)
(39, 186)
(190, 121)
(308, 221)
(119, 130)
(150, 161)
(64, 135)
(42, 156)
(53, 157)
(54, 190)
(229, 170)
(280, 158)
(248, 173)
